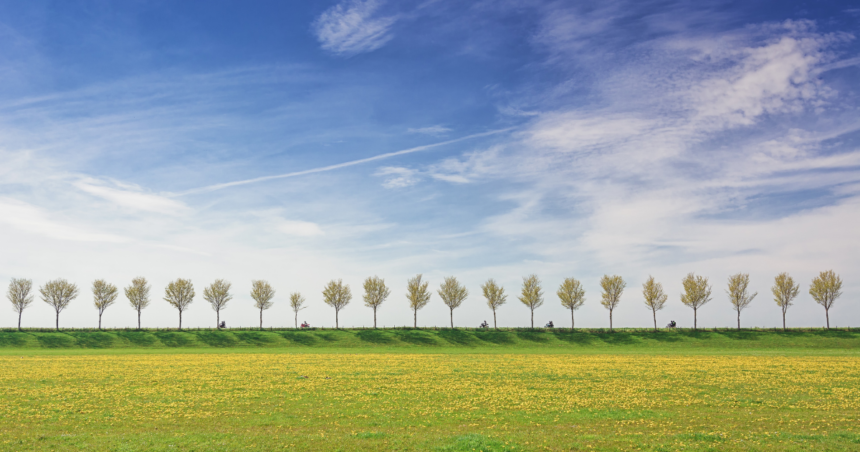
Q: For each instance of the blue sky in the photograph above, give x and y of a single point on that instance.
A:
(300, 142)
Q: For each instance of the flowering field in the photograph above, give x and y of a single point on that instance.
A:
(428, 401)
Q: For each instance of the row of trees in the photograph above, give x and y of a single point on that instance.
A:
(825, 289)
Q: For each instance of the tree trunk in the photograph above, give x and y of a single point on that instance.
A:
(138, 319)
(783, 321)
(452, 317)
(19, 320)
(336, 324)
(100, 320)
(572, 323)
(695, 325)
(261, 318)
(217, 319)
(495, 324)
(533, 317)
(297, 319)
(180, 320)
(826, 314)
(654, 311)
(739, 320)
(415, 318)
(610, 320)
(374, 318)
(58, 321)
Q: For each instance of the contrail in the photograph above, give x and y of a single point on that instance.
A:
(215, 187)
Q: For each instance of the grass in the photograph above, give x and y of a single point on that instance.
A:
(445, 402)
(442, 340)
(429, 389)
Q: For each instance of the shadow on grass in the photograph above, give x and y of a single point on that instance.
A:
(94, 339)
(416, 337)
(259, 338)
(574, 337)
(300, 338)
(663, 336)
(56, 340)
(495, 337)
(835, 334)
(741, 335)
(701, 335)
(619, 338)
(175, 339)
(532, 336)
(328, 337)
(457, 337)
(217, 338)
(13, 339)
(374, 337)
(140, 338)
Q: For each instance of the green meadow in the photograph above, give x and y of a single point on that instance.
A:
(441, 340)
(430, 389)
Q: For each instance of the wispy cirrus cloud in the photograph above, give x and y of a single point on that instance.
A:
(673, 175)
(397, 177)
(431, 130)
(131, 197)
(353, 27)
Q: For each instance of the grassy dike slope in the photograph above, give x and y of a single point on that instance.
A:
(444, 340)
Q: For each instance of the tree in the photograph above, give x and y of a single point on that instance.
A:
(453, 294)
(495, 295)
(418, 296)
(138, 295)
(612, 286)
(179, 294)
(218, 294)
(19, 295)
(738, 292)
(572, 296)
(531, 294)
(696, 294)
(262, 293)
(58, 294)
(296, 302)
(104, 295)
(825, 290)
(784, 291)
(375, 293)
(655, 299)
(337, 295)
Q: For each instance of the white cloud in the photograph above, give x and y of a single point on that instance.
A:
(432, 130)
(33, 220)
(568, 131)
(397, 177)
(567, 29)
(132, 197)
(472, 166)
(351, 27)
(658, 176)
(299, 228)
(778, 77)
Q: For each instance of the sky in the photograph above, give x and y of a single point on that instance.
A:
(300, 142)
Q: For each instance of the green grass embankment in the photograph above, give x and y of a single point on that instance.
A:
(443, 340)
